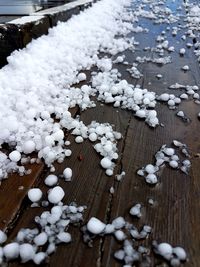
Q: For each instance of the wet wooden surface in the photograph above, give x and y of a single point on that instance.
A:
(174, 217)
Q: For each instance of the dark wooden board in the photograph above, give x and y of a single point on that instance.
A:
(175, 215)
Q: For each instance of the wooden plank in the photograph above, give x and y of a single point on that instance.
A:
(12, 193)
(20, 185)
(90, 186)
(175, 215)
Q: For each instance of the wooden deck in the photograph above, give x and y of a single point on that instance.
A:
(174, 217)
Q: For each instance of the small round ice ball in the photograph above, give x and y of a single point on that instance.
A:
(51, 180)
(79, 139)
(41, 239)
(140, 113)
(39, 258)
(26, 252)
(15, 156)
(59, 135)
(150, 168)
(151, 178)
(67, 173)
(55, 195)
(11, 251)
(106, 163)
(34, 194)
(93, 137)
(64, 237)
(3, 237)
(82, 77)
(180, 253)
(165, 250)
(95, 226)
(109, 172)
(164, 97)
(173, 164)
(169, 151)
(28, 147)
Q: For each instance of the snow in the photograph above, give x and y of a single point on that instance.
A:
(35, 194)
(95, 226)
(55, 195)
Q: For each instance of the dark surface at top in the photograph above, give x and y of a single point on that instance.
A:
(25, 7)
(12, 9)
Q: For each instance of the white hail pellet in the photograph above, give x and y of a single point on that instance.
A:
(51, 180)
(136, 210)
(79, 139)
(119, 223)
(39, 258)
(184, 96)
(165, 250)
(106, 163)
(26, 252)
(93, 137)
(109, 172)
(3, 237)
(120, 235)
(169, 151)
(64, 237)
(180, 114)
(185, 68)
(55, 195)
(141, 113)
(180, 253)
(41, 239)
(150, 168)
(173, 164)
(151, 178)
(28, 147)
(171, 103)
(15, 156)
(182, 51)
(82, 77)
(95, 226)
(67, 173)
(11, 251)
(34, 194)
(68, 152)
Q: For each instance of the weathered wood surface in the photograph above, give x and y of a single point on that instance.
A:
(175, 215)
